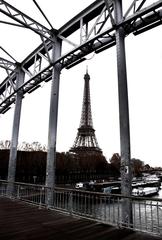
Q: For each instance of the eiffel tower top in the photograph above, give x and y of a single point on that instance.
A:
(86, 141)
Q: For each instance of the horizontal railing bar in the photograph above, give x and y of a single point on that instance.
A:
(84, 191)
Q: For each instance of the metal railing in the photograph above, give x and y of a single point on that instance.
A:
(106, 208)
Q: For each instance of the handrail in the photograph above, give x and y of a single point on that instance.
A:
(83, 191)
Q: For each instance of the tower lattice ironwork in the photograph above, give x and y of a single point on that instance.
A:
(86, 141)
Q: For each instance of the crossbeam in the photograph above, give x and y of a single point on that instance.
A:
(23, 19)
(7, 65)
(97, 38)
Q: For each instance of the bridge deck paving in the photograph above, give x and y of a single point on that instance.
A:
(21, 221)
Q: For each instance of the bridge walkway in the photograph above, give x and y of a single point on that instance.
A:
(22, 221)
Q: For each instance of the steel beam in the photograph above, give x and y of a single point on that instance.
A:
(52, 132)
(102, 37)
(109, 11)
(87, 14)
(123, 116)
(8, 65)
(15, 134)
(24, 19)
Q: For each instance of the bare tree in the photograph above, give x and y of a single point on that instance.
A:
(34, 146)
(24, 146)
(5, 144)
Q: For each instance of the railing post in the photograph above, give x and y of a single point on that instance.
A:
(1, 188)
(15, 134)
(126, 175)
(18, 192)
(40, 200)
(70, 207)
(52, 132)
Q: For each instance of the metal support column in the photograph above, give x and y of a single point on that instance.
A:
(15, 134)
(126, 175)
(52, 132)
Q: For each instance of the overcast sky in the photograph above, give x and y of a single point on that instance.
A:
(144, 59)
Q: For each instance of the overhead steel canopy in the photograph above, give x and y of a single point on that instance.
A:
(95, 26)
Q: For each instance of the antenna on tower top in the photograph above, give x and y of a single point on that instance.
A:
(86, 69)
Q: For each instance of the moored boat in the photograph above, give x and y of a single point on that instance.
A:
(148, 191)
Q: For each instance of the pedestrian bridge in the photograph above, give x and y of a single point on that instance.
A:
(98, 207)
(20, 220)
(89, 215)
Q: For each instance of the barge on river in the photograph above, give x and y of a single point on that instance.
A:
(142, 192)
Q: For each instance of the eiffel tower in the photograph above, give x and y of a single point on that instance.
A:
(86, 142)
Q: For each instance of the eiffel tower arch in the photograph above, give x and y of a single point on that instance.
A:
(86, 141)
